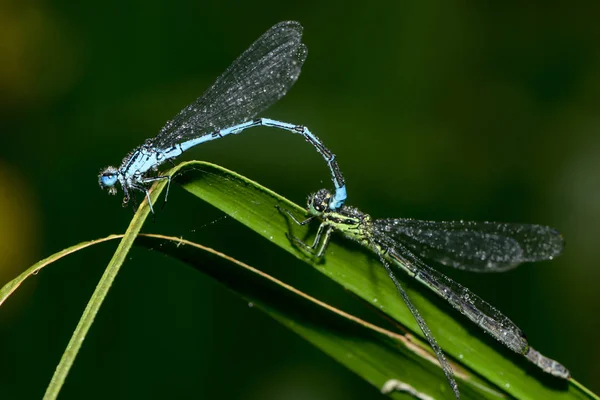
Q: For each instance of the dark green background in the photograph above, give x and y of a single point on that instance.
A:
(436, 110)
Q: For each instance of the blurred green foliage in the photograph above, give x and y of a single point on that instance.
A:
(436, 110)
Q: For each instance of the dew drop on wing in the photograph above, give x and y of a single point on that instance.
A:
(475, 246)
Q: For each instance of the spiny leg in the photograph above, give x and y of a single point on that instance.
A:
(154, 179)
(326, 238)
(167, 192)
(168, 183)
(289, 214)
(324, 231)
(142, 189)
(316, 241)
(321, 241)
(125, 196)
(149, 200)
(423, 325)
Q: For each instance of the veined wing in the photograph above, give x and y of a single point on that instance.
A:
(256, 79)
(462, 299)
(475, 246)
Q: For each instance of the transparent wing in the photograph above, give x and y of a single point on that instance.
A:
(475, 246)
(256, 79)
(462, 299)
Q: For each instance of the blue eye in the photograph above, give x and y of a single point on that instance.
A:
(108, 180)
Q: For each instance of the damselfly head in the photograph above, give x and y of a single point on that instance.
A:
(108, 178)
(318, 202)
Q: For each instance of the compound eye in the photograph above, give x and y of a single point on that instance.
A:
(316, 205)
(320, 207)
(108, 180)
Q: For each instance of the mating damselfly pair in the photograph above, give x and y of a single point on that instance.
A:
(257, 79)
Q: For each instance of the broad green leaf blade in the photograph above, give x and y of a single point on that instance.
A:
(374, 353)
(359, 271)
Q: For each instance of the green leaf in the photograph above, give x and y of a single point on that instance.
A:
(374, 353)
(359, 271)
(93, 306)
(483, 367)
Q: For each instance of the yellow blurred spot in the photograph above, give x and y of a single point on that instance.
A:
(37, 52)
(19, 230)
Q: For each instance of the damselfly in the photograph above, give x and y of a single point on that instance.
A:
(471, 246)
(256, 79)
